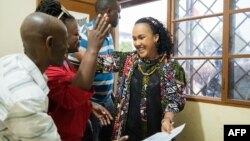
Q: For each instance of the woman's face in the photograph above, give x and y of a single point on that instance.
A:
(145, 41)
(73, 36)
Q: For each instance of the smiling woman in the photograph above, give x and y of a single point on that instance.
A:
(158, 10)
(150, 84)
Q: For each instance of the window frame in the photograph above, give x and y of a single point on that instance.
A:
(129, 3)
(226, 56)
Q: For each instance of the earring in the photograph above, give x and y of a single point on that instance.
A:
(157, 44)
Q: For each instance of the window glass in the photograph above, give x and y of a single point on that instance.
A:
(240, 4)
(202, 37)
(239, 79)
(204, 77)
(190, 8)
(156, 9)
(240, 43)
(205, 52)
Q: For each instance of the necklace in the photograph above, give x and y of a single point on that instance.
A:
(154, 68)
(145, 81)
(147, 74)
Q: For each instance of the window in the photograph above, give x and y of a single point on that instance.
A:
(130, 15)
(213, 46)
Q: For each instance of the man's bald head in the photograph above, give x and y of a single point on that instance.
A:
(44, 39)
(38, 26)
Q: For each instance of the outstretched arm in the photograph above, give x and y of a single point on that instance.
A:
(113, 62)
(86, 71)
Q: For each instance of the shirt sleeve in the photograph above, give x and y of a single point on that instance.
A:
(29, 121)
(61, 90)
(113, 62)
(177, 99)
(84, 39)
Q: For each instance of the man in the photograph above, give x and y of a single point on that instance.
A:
(23, 96)
(70, 90)
(103, 83)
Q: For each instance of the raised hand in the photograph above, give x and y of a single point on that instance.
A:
(97, 35)
(86, 71)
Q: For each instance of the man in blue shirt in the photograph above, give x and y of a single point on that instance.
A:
(103, 82)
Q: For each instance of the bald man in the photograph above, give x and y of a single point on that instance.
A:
(23, 95)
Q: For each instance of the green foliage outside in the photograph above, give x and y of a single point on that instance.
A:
(125, 46)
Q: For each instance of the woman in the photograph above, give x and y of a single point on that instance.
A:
(150, 85)
(70, 90)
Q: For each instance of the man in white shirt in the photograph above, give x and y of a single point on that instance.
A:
(23, 89)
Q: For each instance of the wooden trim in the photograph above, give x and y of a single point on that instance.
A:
(196, 58)
(129, 3)
(92, 2)
(203, 99)
(172, 16)
(197, 17)
(83, 6)
(241, 103)
(225, 52)
(233, 103)
(169, 16)
(239, 11)
(239, 56)
(37, 2)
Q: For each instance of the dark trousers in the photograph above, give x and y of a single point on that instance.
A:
(88, 135)
(95, 131)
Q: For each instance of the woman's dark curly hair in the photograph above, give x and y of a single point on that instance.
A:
(54, 8)
(165, 44)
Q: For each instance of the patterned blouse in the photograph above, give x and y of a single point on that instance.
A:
(171, 83)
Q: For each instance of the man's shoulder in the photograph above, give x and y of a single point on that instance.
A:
(20, 76)
(8, 58)
(8, 63)
(16, 87)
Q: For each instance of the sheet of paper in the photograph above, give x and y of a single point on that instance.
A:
(163, 136)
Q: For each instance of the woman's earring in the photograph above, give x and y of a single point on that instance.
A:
(157, 44)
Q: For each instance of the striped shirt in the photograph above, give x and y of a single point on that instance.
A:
(103, 83)
(24, 102)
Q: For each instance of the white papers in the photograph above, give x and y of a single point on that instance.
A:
(164, 136)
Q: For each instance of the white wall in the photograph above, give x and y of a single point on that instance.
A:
(205, 122)
(12, 13)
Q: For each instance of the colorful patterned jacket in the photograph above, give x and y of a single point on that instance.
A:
(172, 83)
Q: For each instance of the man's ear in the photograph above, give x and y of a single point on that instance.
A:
(49, 41)
(108, 11)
